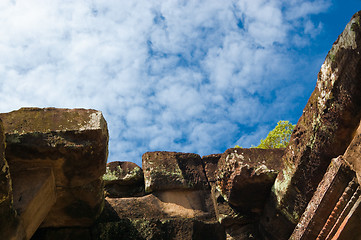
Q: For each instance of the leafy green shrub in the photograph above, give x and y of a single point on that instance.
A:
(278, 137)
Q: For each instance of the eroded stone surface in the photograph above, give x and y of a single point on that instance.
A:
(245, 176)
(76, 206)
(123, 179)
(173, 170)
(211, 165)
(353, 153)
(34, 196)
(9, 222)
(74, 144)
(63, 234)
(158, 229)
(165, 204)
(329, 192)
(71, 141)
(324, 130)
(350, 226)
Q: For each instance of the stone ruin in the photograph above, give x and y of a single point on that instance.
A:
(52, 164)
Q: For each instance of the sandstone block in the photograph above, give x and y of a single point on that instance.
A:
(158, 229)
(210, 166)
(245, 176)
(173, 170)
(349, 228)
(324, 130)
(76, 206)
(71, 141)
(123, 179)
(9, 222)
(165, 204)
(226, 214)
(353, 153)
(337, 181)
(34, 196)
(63, 234)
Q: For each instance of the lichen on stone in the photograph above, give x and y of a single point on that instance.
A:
(111, 175)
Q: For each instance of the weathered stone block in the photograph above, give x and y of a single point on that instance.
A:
(9, 222)
(173, 170)
(349, 228)
(353, 153)
(329, 192)
(76, 206)
(158, 229)
(123, 179)
(246, 232)
(63, 234)
(165, 204)
(226, 214)
(245, 176)
(324, 130)
(211, 165)
(34, 196)
(73, 142)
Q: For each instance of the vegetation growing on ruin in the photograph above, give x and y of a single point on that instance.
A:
(278, 137)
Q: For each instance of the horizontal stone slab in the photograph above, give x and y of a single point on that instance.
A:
(74, 142)
(173, 170)
(165, 204)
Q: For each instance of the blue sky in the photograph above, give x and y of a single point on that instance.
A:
(193, 76)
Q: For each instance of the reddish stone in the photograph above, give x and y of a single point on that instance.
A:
(123, 179)
(71, 142)
(165, 205)
(330, 190)
(9, 222)
(34, 196)
(74, 142)
(245, 176)
(211, 165)
(323, 132)
(173, 170)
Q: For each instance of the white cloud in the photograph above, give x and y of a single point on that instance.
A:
(168, 75)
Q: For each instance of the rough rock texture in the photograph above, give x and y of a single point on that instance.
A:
(63, 234)
(76, 206)
(353, 152)
(336, 184)
(245, 232)
(350, 229)
(73, 143)
(245, 176)
(177, 214)
(237, 225)
(158, 229)
(9, 223)
(123, 179)
(323, 132)
(228, 215)
(34, 196)
(210, 166)
(173, 170)
(165, 205)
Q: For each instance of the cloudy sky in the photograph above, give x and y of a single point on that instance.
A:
(194, 76)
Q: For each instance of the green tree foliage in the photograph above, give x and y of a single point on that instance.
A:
(278, 137)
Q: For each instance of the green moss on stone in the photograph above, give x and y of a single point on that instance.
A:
(50, 119)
